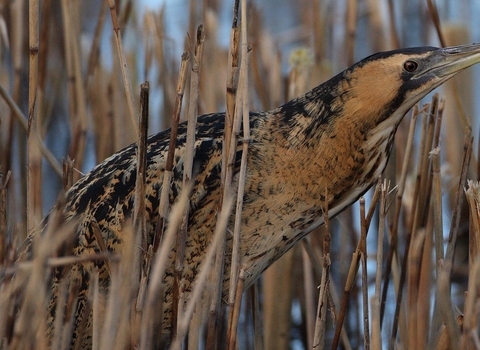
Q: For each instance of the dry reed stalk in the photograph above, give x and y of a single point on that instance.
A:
(376, 337)
(352, 273)
(373, 206)
(376, 20)
(321, 317)
(469, 339)
(194, 337)
(53, 262)
(423, 188)
(473, 198)
(443, 341)
(34, 160)
(187, 177)
(32, 285)
(363, 259)
(167, 175)
(202, 277)
(437, 187)
(412, 287)
(425, 168)
(398, 207)
(235, 312)
(309, 295)
(9, 296)
(242, 104)
(277, 301)
(421, 324)
(458, 202)
(349, 238)
(464, 120)
(215, 62)
(101, 105)
(59, 312)
(126, 12)
(273, 90)
(119, 298)
(17, 36)
(331, 294)
(67, 178)
(256, 319)
(38, 142)
(78, 109)
(318, 32)
(139, 221)
(68, 37)
(477, 168)
(123, 291)
(312, 255)
(96, 305)
(120, 132)
(413, 223)
(166, 78)
(376, 300)
(259, 82)
(192, 22)
(123, 65)
(445, 303)
(426, 286)
(3, 217)
(228, 159)
(148, 28)
(67, 327)
(432, 8)
(101, 243)
(232, 84)
(351, 28)
(94, 55)
(44, 117)
(437, 204)
(394, 37)
(458, 91)
(141, 266)
(153, 300)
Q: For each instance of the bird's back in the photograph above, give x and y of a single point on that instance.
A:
(102, 202)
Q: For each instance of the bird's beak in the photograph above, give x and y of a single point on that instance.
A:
(451, 60)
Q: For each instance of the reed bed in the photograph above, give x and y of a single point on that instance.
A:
(401, 269)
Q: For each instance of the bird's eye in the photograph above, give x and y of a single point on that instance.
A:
(410, 66)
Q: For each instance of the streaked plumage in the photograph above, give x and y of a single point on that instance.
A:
(334, 140)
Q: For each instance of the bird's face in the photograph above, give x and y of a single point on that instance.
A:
(424, 72)
(386, 85)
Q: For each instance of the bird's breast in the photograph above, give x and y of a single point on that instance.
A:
(286, 196)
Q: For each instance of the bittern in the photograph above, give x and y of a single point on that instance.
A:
(327, 146)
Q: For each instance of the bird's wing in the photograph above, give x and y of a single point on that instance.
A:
(106, 194)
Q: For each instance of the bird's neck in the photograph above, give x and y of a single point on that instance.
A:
(324, 157)
(332, 141)
(340, 103)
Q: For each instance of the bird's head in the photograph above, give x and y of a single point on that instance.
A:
(387, 84)
(373, 93)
